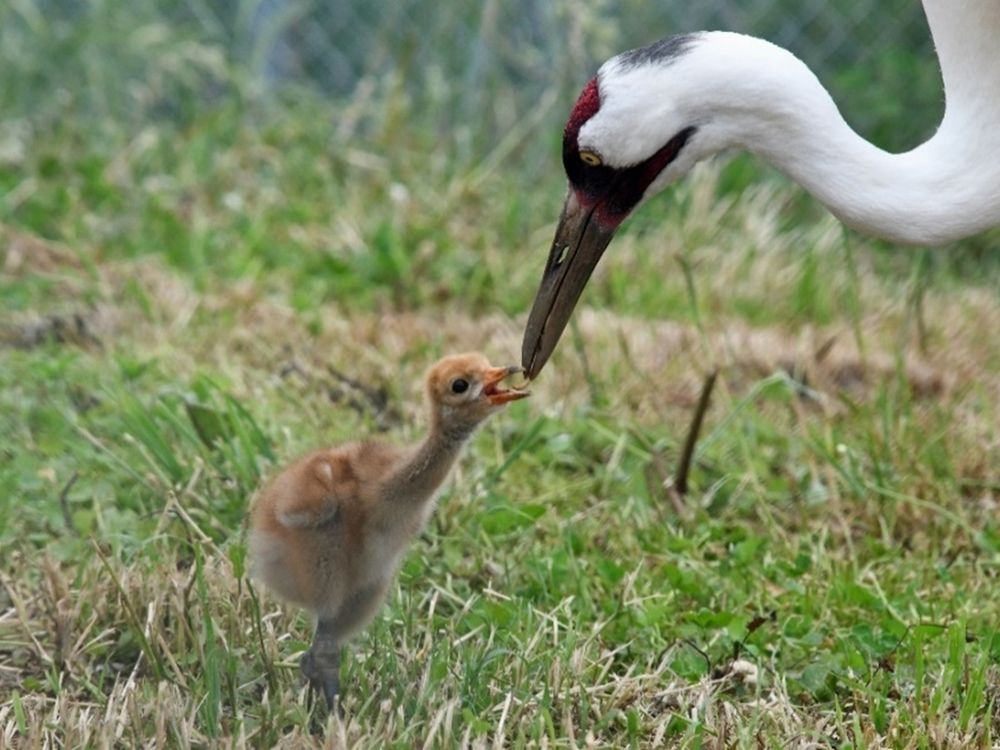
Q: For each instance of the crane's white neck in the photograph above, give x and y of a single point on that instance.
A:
(744, 92)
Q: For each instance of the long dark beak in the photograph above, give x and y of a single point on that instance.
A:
(579, 243)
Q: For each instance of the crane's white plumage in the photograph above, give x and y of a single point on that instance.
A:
(743, 92)
(652, 113)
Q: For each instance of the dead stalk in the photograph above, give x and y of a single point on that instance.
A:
(684, 467)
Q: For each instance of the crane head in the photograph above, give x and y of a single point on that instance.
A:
(615, 155)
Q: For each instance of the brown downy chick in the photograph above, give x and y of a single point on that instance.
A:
(329, 531)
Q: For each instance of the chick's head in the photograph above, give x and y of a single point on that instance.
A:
(464, 389)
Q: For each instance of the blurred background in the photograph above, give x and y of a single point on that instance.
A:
(472, 70)
(221, 135)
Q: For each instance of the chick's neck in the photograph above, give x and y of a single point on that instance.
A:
(428, 466)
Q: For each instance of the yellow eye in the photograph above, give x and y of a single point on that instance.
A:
(590, 158)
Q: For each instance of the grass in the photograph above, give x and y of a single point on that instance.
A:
(184, 303)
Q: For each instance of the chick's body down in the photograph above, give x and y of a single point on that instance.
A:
(327, 534)
(329, 531)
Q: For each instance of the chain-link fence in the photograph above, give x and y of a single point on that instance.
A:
(465, 59)
(338, 43)
(473, 48)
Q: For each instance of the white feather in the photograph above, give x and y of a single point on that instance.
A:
(743, 92)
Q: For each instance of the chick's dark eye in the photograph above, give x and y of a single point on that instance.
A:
(459, 386)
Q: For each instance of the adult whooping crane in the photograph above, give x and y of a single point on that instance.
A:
(650, 114)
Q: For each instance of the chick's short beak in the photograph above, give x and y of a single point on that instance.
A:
(494, 392)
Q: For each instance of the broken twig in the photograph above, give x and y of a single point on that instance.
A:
(684, 467)
(64, 504)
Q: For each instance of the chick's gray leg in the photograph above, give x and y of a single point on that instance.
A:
(320, 665)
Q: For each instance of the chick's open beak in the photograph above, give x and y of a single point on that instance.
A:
(497, 394)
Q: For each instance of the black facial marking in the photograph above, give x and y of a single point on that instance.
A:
(662, 51)
(618, 190)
